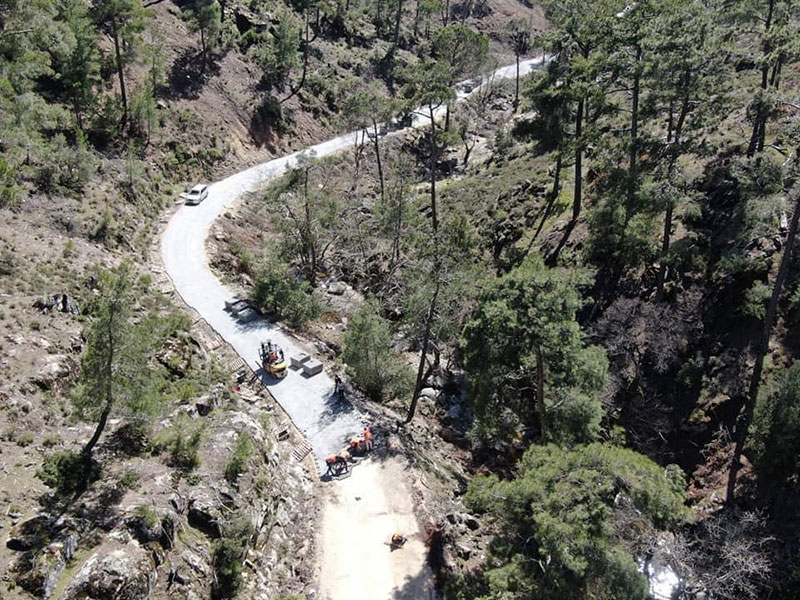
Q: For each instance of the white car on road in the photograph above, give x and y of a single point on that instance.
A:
(197, 194)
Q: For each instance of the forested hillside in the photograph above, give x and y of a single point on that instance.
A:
(568, 300)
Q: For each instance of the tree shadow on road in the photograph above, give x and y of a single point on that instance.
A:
(419, 587)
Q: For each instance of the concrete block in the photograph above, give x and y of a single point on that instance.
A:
(298, 359)
(247, 315)
(312, 367)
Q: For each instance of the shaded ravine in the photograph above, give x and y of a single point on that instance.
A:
(310, 402)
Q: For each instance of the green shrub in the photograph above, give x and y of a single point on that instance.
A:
(68, 472)
(9, 190)
(244, 256)
(148, 515)
(182, 441)
(775, 443)
(52, 439)
(755, 300)
(25, 439)
(129, 479)
(228, 553)
(237, 463)
(261, 483)
(371, 362)
(133, 437)
(282, 296)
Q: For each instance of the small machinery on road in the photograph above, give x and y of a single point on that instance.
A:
(272, 359)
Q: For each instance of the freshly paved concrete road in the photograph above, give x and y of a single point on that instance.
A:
(325, 421)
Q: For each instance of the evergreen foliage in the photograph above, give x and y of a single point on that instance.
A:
(372, 363)
(558, 536)
(526, 355)
(283, 296)
(237, 463)
(205, 16)
(115, 375)
(776, 431)
(229, 556)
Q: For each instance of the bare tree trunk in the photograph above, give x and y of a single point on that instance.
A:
(665, 242)
(78, 115)
(540, 405)
(760, 117)
(745, 418)
(666, 238)
(358, 150)
(203, 47)
(577, 190)
(376, 144)
(306, 51)
(98, 431)
(311, 246)
(424, 352)
(632, 167)
(397, 17)
(109, 398)
(120, 70)
(576, 200)
(436, 273)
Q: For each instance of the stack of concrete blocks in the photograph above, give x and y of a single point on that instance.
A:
(303, 361)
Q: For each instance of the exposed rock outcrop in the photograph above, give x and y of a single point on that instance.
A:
(122, 573)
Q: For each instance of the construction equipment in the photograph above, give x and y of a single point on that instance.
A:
(397, 541)
(272, 359)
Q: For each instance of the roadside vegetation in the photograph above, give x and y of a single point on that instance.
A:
(584, 282)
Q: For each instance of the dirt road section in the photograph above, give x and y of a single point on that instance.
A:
(360, 515)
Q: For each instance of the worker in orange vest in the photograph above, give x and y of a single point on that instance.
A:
(368, 444)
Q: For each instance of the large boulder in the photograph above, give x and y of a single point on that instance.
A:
(123, 573)
(57, 303)
(205, 513)
(54, 370)
(48, 546)
(39, 573)
(176, 356)
(30, 534)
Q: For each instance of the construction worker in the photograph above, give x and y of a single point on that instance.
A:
(368, 444)
(341, 461)
(337, 390)
(356, 445)
(331, 462)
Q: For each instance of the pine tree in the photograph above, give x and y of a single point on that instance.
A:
(79, 65)
(527, 357)
(205, 16)
(578, 46)
(125, 20)
(115, 377)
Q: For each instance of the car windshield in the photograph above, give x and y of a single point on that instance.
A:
(197, 190)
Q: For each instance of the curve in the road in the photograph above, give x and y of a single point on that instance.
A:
(326, 422)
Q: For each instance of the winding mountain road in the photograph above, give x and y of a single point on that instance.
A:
(360, 513)
(325, 421)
